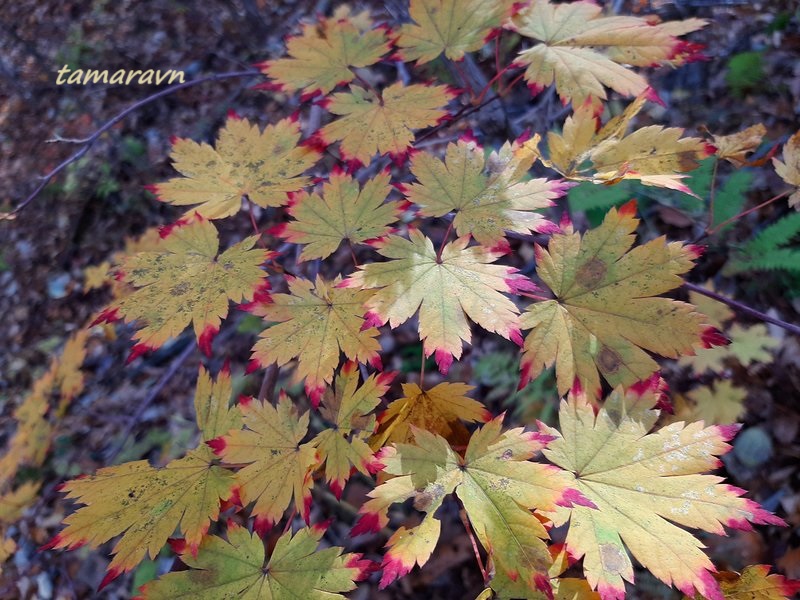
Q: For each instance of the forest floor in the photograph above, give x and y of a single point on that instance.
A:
(752, 75)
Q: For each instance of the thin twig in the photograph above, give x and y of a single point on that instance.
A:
(176, 364)
(267, 390)
(464, 112)
(88, 142)
(463, 514)
(716, 228)
(743, 308)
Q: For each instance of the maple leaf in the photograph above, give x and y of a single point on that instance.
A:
(278, 465)
(262, 166)
(715, 311)
(736, 146)
(439, 410)
(322, 57)
(215, 416)
(564, 588)
(145, 504)
(347, 407)
(646, 486)
(583, 52)
(748, 345)
(720, 405)
(371, 124)
(488, 204)
(654, 155)
(315, 322)
(454, 27)
(186, 282)
(236, 568)
(342, 212)
(496, 483)
(755, 583)
(14, 502)
(789, 169)
(447, 289)
(604, 316)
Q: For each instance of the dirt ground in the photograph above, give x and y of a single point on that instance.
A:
(100, 201)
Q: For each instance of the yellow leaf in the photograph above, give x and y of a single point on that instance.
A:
(647, 487)
(654, 155)
(454, 27)
(604, 316)
(186, 282)
(369, 124)
(96, 276)
(145, 505)
(715, 311)
(487, 204)
(583, 52)
(236, 568)
(315, 323)
(278, 465)
(755, 583)
(215, 416)
(439, 410)
(734, 147)
(348, 408)
(789, 169)
(460, 283)
(322, 57)
(748, 345)
(263, 166)
(720, 405)
(13, 503)
(342, 212)
(497, 485)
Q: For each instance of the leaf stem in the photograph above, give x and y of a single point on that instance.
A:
(89, 141)
(352, 252)
(465, 520)
(716, 228)
(422, 370)
(444, 241)
(743, 308)
(712, 191)
(368, 85)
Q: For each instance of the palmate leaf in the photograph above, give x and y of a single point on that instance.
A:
(236, 568)
(748, 345)
(348, 407)
(486, 204)
(461, 283)
(736, 146)
(322, 56)
(645, 485)
(146, 504)
(278, 465)
(654, 155)
(789, 169)
(755, 583)
(263, 166)
(605, 314)
(184, 282)
(316, 322)
(496, 483)
(583, 52)
(721, 405)
(343, 212)
(370, 125)
(439, 410)
(454, 27)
